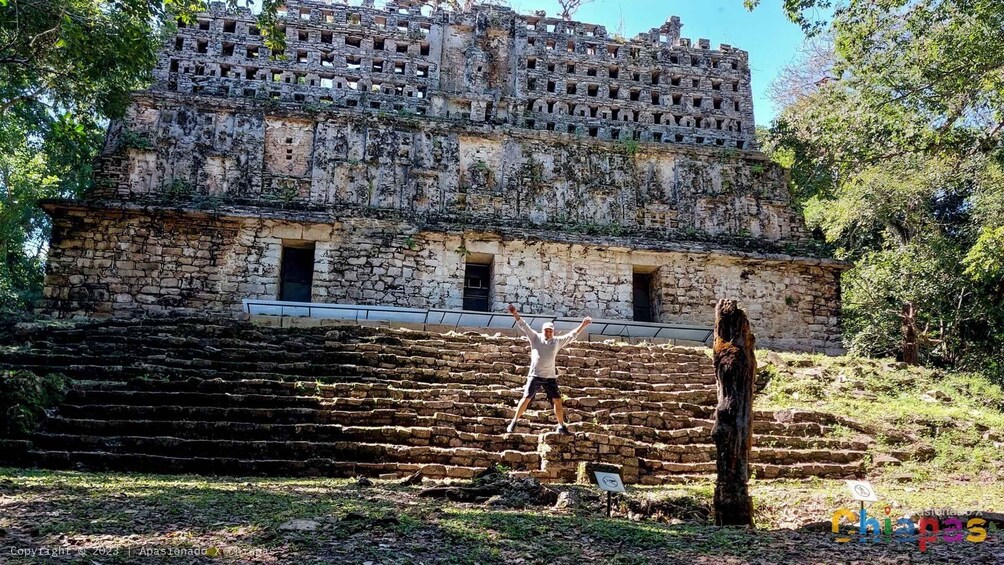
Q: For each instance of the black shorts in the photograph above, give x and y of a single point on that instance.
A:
(550, 386)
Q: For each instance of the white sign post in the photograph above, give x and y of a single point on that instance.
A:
(862, 491)
(611, 483)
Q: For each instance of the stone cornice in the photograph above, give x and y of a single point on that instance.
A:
(742, 248)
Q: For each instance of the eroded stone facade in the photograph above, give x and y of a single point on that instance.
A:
(402, 146)
(193, 262)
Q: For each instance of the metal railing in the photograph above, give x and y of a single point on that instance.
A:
(470, 319)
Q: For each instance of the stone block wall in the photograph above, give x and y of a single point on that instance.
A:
(490, 65)
(134, 261)
(184, 151)
(115, 264)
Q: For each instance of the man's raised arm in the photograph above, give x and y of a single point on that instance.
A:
(570, 336)
(523, 326)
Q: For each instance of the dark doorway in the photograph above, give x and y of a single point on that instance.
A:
(642, 297)
(296, 273)
(477, 287)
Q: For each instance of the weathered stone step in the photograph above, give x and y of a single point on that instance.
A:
(581, 399)
(436, 436)
(256, 357)
(471, 349)
(149, 463)
(670, 473)
(138, 412)
(329, 374)
(801, 429)
(258, 345)
(370, 412)
(54, 362)
(203, 328)
(618, 411)
(214, 385)
(224, 400)
(291, 450)
(335, 373)
(698, 453)
(372, 397)
(802, 442)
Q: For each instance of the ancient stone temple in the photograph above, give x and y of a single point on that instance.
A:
(403, 156)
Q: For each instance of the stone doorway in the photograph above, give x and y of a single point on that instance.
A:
(296, 272)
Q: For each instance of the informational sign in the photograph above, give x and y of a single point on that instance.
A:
(610, 482)
(863, 491)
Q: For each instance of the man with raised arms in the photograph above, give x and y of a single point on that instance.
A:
(544, 349)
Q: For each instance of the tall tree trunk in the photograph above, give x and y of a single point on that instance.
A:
(735, 369)
(910, 349)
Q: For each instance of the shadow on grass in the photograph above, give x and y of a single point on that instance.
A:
(384, 524)
(557, 538)
(98, 504)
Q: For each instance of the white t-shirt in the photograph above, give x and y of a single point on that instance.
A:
(544, 351)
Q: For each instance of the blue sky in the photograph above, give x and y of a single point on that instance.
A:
(771, 40)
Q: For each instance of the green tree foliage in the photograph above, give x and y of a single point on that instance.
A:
(65, 67)
(896, 157)
(24, 397)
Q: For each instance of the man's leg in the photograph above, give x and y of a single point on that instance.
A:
(519, 412)
(559, 411)
(553, 393)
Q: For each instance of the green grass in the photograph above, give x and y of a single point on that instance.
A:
(110, 510)
(888, 397)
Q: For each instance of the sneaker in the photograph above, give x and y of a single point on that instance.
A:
(510, 428)
(563, 430)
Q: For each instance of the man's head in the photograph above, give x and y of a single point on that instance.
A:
(548, 330)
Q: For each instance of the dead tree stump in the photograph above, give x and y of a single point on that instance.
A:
(735, 371)
(911, 355)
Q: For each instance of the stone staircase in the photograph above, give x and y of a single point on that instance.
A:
(226, 397)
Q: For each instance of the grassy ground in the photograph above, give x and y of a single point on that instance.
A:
(941, 426)
(118, 518)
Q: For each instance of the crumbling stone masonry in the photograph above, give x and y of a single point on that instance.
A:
(398, 146)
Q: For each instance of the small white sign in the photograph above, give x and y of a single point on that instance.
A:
(862, 490)
(609, 482)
